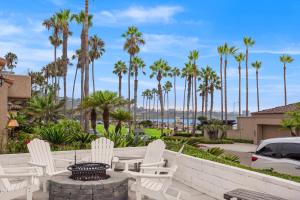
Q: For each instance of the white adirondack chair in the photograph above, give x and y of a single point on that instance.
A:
(102, 151)
(153, 156)
(27, 186)
(41, 157)
(154, 182)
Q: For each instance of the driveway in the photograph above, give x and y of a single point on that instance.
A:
(242, 150)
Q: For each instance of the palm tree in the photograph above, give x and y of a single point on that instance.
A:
(175, 72)
(11, 60)
(215, 84)
(248, 42)
(137, 64)
(167, 88)
(189, 73)
(205, 75)
(160, 69)
(85, 57)
(202, 92)
(228, 51)
(119, 70)
(43, 109)
(96, 51)
(55, 40)
(134, 39)
(221, 53)
(121, 116)
(148, 94)
(239, 59)
(184, 75)
(144, 96)
(193, 57)
(80, 19)
(64, 17)
(285, 59)
(105, 101)
(257, 66)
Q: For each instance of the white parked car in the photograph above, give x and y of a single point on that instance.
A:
(280, 154)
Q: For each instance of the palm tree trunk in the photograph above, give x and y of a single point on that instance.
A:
(203, 100)
(161, 106)
(105, 117)
(221, 80)
(192, 97)
(135, 97)
(143, 108)
(168, 110)
(188, 102)
(93, 76)
(183, 109)
(120, 85)
(206, 97)
(284, 79)
(149, 106)
(225, 89)
(195, 93)
(82, 96)
(73, 91)
(65, 59)
(157, 115)
(129, 103)
(55, 74)
(257, 90)
(211, 101)
(240, 95)
(86, 61)
(175, 124)
(247, 109)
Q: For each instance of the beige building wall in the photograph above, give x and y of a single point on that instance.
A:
(21, 87)
(3, 112)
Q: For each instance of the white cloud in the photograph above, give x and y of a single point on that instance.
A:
(9, 29)
(276, 52)
(138, 14)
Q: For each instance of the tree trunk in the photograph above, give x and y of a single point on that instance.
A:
(94, 120)
(143, 108)
(161, 106)
(65, 62)
(225, 89)
(86, 61)
(129, 103)
(211, 101)
(120, 85)
(73, 91)
(135, 96)
(188, 102)
(257, 90)
(175, 124)
(183, 109)
(247, 97)
(284, 79)
(55, 75)
(195, 93)
(105, 117)
(157, 115)
(240, 95)
(202, 111)
(168, 110)
(221, 80)
(206, 96)
(82, 96)
(93, 76)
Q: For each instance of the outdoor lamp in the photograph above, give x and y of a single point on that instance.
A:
(12, 124)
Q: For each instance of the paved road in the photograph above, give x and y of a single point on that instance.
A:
(243, 151)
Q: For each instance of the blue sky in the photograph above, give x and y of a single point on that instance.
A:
(171, 29)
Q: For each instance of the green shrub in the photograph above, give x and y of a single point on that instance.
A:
(217, 151)
(146, 123)
(231, 157)
(241, 140)
(197, 140)
(54, 134)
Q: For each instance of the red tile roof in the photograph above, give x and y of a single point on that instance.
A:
(279, 109)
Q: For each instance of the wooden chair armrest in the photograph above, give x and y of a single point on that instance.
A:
(152, 164)
(37, 164)
(154, 176)
(133, 161)
(115, 159)
(20, 169)
(18, 175)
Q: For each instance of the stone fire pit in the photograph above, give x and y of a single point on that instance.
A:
(62, 187)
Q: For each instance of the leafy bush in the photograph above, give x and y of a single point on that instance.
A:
(70, 127)
(217, 151)
(196, 140)
(241, 140)
(146, 123)
(231, 157)
(54, 134)
(183, 134)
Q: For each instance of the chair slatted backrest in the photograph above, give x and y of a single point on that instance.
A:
(40, 153)
(154, 152)
(102, 150)
(4, 182)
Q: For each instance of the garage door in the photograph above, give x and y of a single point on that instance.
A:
(273, 131)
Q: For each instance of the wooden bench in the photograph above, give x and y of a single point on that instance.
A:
(242, 194)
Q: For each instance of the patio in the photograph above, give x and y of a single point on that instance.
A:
(195, 178)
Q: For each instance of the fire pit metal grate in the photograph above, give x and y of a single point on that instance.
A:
(89, 171)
